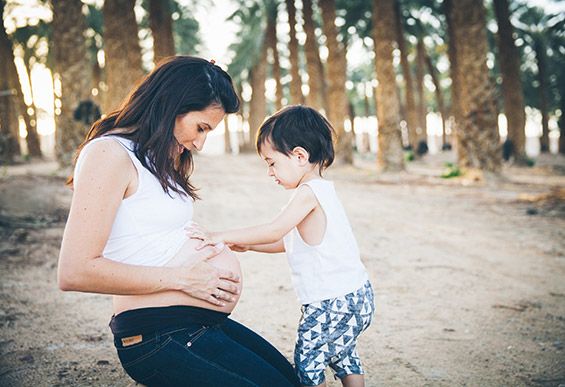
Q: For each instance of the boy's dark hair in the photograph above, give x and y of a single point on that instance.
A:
(301, 126)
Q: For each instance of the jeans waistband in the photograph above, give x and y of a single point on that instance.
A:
(145, 320)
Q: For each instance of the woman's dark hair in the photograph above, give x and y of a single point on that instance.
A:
(177, 85)
(301, 126)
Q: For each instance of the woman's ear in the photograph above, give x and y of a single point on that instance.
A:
(301, 154)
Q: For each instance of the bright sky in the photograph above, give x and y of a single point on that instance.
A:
(217, 34)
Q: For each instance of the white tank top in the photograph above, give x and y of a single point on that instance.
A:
(149, 226)
(332, 268)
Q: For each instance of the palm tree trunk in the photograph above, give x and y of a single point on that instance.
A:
(453, 70)
(390, 156)
(561, 79)
(410, 105)
(478, 134)
(439, 96)
(30, 117)
(336, 75)
(509, 59)
(257, 105)
(161, 28)
(73, 67)
(316, 82)
(542, 79)
(227, 137)
(422, 130)
(121, 49)
(9, 131)
(562, 123)
(296, 96)
(271, 37)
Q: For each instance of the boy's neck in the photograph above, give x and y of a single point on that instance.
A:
(312, 174)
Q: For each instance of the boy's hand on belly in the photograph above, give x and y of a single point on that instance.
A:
(207, 238)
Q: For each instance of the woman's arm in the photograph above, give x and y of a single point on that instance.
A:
(100, 185)
(300, 206)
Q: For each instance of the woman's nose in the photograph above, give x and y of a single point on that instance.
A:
(199, 143)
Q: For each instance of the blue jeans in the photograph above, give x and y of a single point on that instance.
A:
(210, 354)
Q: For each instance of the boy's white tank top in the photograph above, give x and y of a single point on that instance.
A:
(149, 226)
(332, 268)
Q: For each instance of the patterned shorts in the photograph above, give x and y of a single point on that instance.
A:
(327, 335)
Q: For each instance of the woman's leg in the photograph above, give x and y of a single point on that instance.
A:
(261, 347)
(197, 356)
(213, 358)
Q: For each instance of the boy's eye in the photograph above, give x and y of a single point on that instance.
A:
(200, 129)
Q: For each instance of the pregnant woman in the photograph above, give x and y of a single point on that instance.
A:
(125, 236)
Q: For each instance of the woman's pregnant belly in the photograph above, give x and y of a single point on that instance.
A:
(226, 259)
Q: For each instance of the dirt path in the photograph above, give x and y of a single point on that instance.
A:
(469, 279)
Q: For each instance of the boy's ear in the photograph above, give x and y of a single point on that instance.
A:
(301, 154)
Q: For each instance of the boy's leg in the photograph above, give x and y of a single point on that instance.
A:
(311, 349)
(353, 381)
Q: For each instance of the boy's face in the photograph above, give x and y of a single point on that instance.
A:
(284, 168)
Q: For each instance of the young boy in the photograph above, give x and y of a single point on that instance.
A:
(327, 272)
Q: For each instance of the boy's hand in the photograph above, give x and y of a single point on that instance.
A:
(238, 248)
(195, 231)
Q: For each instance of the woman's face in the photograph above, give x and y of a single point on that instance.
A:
(192, 128)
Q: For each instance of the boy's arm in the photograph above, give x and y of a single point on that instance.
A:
(270, 248)
(299, 207)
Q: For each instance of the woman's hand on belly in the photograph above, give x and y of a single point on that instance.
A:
(209, 274)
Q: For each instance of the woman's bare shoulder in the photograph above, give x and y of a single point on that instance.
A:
(105, 157)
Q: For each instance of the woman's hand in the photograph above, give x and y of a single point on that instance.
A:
(208, 283)
(198, 278)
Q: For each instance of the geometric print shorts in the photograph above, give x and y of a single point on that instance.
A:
(327, 335)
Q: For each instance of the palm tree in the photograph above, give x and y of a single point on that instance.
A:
(9, 144)
(161, 28)
(439, 96)
(336, 76)
(509, 60)
(28, 38)
(411, 112)
(390, 156)
(185, 29)
(95, 45)
(421, 105)
(296, 96)
(121, 49)
(271, 43)
(251, 59)
(314, 66)
(448, 8)
(73, 68)
(477, 130)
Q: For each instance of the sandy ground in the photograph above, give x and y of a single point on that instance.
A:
(470, 277)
